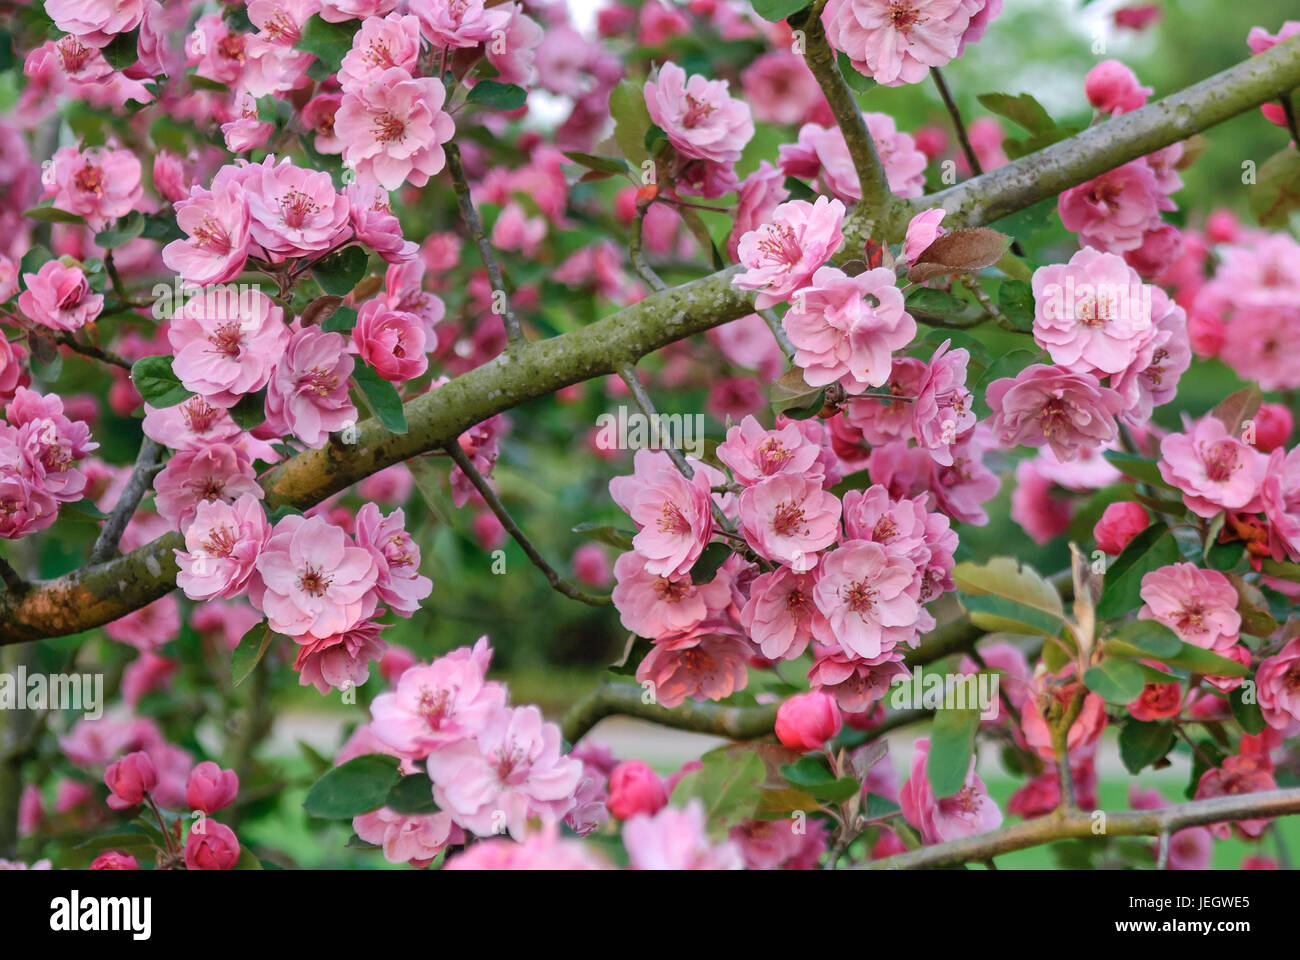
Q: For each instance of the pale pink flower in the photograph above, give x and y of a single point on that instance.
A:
(1198, 605)
(869, 599)
(1114, 211)
(340, 661)
(1247, 773)
(390, 341)
(754, 454)
(218, 471)
(317, 116)
(782, 90)
(897, 41)
(822, 154)
(968, 812)
(1278, 684)
(393, 41)
(149, 627)
(414, 838)
(511, 771)
(782, 255)
(1280, 497)
(672, 513)
(757, 199)
(1092, 315)
(543, 849)
(221, 548)
(1049, 406)
(521, 44)
(708, 662)
(313, 579)
(1040, 510)
(308, 391)
(788, 519)
(654, 606)
(460, 23)
(854, 682)
(1152, 379)
(905, 528)
(591, 565)
(922, 230)
(844, 328)
(95, 22)
(340, 11)
(432, 705)
(98, 183)
(216, 222)
(1213, 469)
(190, 424)
(780, 613)
(675, 839)
(1112, 87)
(226, 343)
(393, 128)
(943, 411)
(701, 118)
(294, 212)
(397, 559)
(59, 297)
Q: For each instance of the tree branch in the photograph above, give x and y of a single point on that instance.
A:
(514, 333)
(1078, 824)
(497, 507)
(100, 593)
(136, 486)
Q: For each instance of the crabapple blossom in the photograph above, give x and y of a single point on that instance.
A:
(701, 118)
(1277, 688)
(705, 662)
(1119, 524)
(634, 788)
(59, 297)
(780, 613)
(869, 599)
(651, 605)
(293, 212)
(788, 519)
(340, 660)
(1213, 469)
(210, 788)
(807, 720)
(130, 780)
(221, 548)
(307, 394)
(1112, 87)
(675, 839)
(226, 343)
(393, 41)
(1198, 605)
(218, 471)
(393, 128)
(216, 222)
(783, 254)
(672, 513)
(414, 838)
(98, 184)
(215, 848)
(399, 582)
(390, 341)
(970, 811)
(1049, 406)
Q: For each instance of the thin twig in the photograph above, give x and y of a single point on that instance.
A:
(13, 582)
(119, 287)
(1288, 111)
(145, 463)
(962, 138)
(95, 353)
(496, 506)
(778, 330)
(643, 269)
(514, 333)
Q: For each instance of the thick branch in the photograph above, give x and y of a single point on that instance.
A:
(95, 595)
(1077, 824)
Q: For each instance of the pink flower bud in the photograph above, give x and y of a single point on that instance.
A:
(211, 788)
(130, 779)
(635, 788)
(591, 565)
(114, 860)
(1113, 88)
(1273, 426)
(216, 848)
(806, 721)
(1207, 334)
(1119, 524)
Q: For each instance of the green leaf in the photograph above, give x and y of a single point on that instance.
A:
(774, 11)
(1016, 301)
(792, 396)
(1148, 638)
(1022, 109)
(1142, 744)
(341, 320)
(1115, 681)
(1237, 408)
(330, 42)
(952, 741)
(857, 82)
(1248, 715)
(382, 397)
(126, 230)
(811, 775)
(1036, 602)
(631, 120)
(48, 214)
(496, 95)
(1151, 549)
(250, 411)
(356, 787)
(1283, 570)
(621, 539)
(729, 785)
(1139, 468)
(923, 302)
(593, 162)
(252, 647)
(412, 794)
(877, 807)
(156, 383)
(340, 272)
(207, 83)
(712, 558)
(122, 51)
(1011, 616)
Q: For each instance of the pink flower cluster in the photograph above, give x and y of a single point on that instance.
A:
(39, 450)
(821, 154)
(898, 41)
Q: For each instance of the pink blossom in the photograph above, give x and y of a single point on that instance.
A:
(1049, 406)
(707, 662)
(1112, 87)
(393, 41)
(780, 614)
(807, 720)
(1238, 775)
(1213, 469)
(215, 472)
(855, 683)
(788, 519)
(783, 254)
(635, 789)
(390, 341)
(221, 548)
(294, 212)
(1114, 211)
(897, 41)
(521, 44)
(968, 812)
(869, 599)
(512, 769)
(822, 153)
(591, 565)
(215, 848)
(190, 424)
(907, 529)
(145, 674)
(701, 118)
(672, 513)
(216, 223)
(210, 788)
(59, 297)
(1165, 354)
(543, 849)
(1278, 684)
(114, 860)
(1041, 514)
(98, 184)
(1119, 524)
(782, 90)
(1198, 605)
(393, 128)
(130, 780)
(460, 23)
(922, 230)
(95, 22)
(414, 838)
(943, 409)
(1273, 426)
(654, 606)
(340, 661)
(226, 343)
(843, 328)
(1093, 314)
(340, 11)
(313, 580)
(308, 391)
(675, 839)
(397, 559)
(757, 199)
(1280, 496)
(436, 704)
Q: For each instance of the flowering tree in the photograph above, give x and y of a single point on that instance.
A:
(267, 267)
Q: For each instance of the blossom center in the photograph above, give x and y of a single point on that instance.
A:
(296, 207)
(672, 520)
(788, 519)
(1220, 461)
(313, 582)
(697, 111)
(90, 179)
(227, 339)
(389, 128)
(860, 597)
